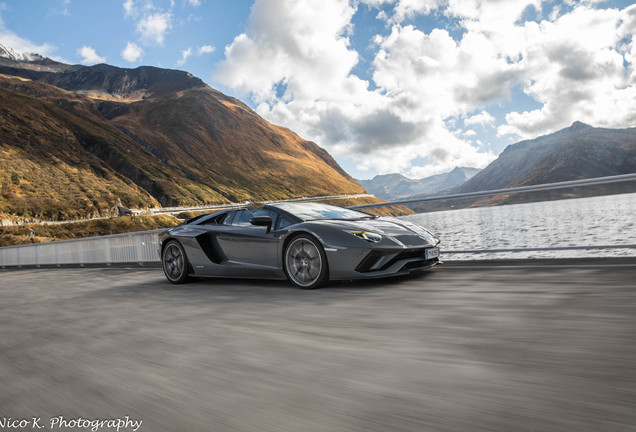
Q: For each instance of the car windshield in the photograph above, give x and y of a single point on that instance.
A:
(315, 211)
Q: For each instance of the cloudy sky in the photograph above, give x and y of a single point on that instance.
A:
(410, 86)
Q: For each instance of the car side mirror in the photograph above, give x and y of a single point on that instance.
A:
(265, 221)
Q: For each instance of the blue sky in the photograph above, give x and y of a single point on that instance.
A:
(410, 86)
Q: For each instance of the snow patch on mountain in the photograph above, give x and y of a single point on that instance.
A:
(18, 56)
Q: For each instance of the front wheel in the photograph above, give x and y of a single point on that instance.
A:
(175, 262)
(305, 262)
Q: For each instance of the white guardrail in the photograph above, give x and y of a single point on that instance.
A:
(130, 248)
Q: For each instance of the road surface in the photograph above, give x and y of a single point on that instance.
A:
(476, 348)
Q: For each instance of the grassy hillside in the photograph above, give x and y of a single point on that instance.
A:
(216, 140)
(46, 171)
(67, 155)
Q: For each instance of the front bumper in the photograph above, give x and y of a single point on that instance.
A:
(355, 263)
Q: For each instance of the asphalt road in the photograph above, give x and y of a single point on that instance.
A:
(476, 348)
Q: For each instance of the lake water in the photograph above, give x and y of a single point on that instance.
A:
(596, 221)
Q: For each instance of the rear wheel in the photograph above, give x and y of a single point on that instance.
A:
(305, 262)
(175, 262)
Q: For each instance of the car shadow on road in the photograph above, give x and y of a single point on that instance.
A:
(227, 289)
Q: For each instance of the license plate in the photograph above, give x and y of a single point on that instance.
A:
(432, 253)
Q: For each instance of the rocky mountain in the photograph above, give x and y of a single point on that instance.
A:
(577, 152)
(75, 141)
(12, 58)
(396, 186)
(18, 56)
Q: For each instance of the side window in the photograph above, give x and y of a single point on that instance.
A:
(283, 222)
(243, 217)
(217, 220)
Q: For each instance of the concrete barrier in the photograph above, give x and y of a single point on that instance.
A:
(137, 247)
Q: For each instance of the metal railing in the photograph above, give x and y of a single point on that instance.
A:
(521, 189)
(543, 249)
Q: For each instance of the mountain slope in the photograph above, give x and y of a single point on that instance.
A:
(394, 186)
(578, 152)
(47, 171)
(145, 136)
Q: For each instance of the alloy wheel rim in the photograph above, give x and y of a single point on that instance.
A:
(173, 262)
(304, 262)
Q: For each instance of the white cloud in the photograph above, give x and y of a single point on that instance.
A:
(153, 28)
(575, 74)
(132, 53)
(300, 64)
(65, 5)
(410, 8)
(302, 43)
(482, 13)
(184, 56)
(195, 3)
(483, 118)
(90, 56)
(445, 77)
(296, 63)
(129, 8)
(205, 49)
(136, 8)
(10, 39)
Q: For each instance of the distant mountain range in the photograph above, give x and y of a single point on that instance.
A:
(396, 186)
(577, 152)
(75, 141)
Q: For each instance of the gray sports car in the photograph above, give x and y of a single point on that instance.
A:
(307, 243)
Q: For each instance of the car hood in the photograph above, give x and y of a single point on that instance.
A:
(385, 226)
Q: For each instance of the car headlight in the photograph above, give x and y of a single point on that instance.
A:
(422, 232)
(367, 235)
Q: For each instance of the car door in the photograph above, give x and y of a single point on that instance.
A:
(248, 245)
